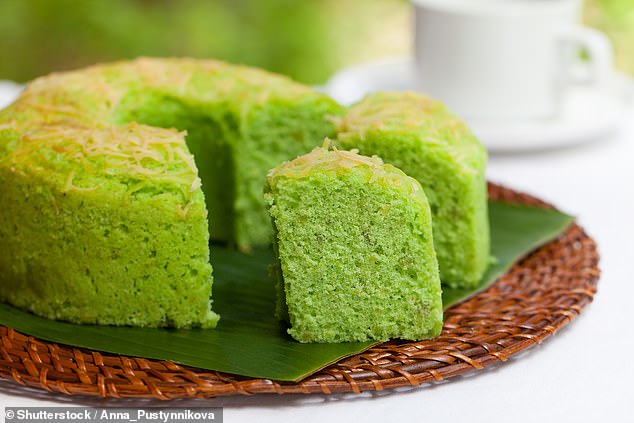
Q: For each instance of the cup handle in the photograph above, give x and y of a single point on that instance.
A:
(598, 67)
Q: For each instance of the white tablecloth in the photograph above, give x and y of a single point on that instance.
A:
(583, 374)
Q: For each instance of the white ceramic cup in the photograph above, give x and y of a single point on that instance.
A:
(505, 59)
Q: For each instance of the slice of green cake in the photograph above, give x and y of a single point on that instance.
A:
(419, 136)
(354, 241)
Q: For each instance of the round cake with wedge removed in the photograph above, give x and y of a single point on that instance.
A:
(105, 218)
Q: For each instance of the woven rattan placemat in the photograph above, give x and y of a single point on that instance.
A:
(539, 295)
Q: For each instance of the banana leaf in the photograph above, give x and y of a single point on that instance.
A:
(248, 340)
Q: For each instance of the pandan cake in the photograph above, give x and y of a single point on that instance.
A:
(104, 216)
(419, 136)
(354, 241)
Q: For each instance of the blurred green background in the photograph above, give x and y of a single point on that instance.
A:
(306, 39)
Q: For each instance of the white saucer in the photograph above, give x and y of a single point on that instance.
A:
(9, 90)
(588, 113)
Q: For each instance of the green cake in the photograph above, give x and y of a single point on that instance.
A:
(104, 216)
(419, 136)
(354, 242)
(107, 216)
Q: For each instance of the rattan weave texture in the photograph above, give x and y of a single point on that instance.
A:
(539, 295)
